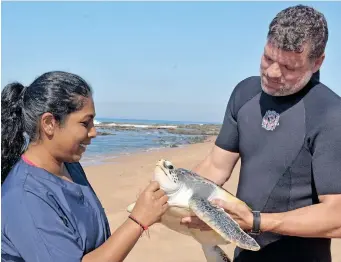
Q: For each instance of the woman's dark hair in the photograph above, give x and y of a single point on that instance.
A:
(59, 93)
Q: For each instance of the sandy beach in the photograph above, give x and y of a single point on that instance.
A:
(118, 181)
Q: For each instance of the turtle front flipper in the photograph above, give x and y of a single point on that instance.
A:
(222, 223)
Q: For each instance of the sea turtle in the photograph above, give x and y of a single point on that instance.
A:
(189, 194)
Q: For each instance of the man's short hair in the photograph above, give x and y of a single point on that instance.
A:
(295, 26)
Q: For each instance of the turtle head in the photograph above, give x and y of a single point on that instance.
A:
(165, 174)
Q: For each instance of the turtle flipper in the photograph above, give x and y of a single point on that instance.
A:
(222, 223)
(215, 254)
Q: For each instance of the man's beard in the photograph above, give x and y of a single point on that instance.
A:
(289, 89)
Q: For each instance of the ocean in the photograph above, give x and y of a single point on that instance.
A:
(136, 137)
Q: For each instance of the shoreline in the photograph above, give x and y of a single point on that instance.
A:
(118, 181)
(112, 157)
(117, 139)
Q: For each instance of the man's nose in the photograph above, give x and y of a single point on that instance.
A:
(274, 71)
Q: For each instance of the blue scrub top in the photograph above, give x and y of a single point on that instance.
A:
(46, 218)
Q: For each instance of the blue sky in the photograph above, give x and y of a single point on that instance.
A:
(150, 60)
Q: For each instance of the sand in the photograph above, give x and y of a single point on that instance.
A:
(118, 181)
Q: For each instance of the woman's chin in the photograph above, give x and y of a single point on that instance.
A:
(75, 157)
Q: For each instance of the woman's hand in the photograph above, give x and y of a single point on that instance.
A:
(195, 222)
(151, 205)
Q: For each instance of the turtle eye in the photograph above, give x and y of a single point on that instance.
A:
(168, 165)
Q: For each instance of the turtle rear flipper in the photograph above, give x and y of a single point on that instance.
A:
(215, 254)
(222, 223)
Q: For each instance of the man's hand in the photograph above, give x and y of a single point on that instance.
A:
(238, 211)
(320, 220)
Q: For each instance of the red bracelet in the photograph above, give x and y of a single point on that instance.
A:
(137, 222)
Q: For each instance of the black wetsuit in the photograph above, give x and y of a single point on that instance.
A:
(290, 149)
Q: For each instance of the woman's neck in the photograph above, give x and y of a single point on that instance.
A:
(41, 157)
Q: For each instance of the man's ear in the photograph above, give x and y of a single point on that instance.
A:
(48, 124)
(318, 63)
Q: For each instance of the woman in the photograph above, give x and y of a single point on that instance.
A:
(49, 210)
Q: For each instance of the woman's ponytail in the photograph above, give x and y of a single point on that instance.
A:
(55, 92)
(12, 127)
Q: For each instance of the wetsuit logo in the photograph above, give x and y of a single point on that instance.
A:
(270, 120)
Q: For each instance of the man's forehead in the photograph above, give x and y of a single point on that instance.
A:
(286, 57)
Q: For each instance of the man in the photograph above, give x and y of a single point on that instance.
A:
(286, 127)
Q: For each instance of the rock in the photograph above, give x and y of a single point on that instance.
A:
(99, 133)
